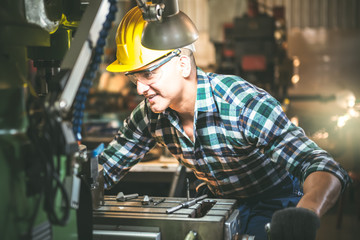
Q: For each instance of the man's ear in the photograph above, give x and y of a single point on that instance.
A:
(185, 66)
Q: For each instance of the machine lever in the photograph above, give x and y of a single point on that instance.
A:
(186, 204)
(122, 197)
(159, 201)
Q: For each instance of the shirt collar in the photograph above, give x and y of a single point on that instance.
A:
(204, 100)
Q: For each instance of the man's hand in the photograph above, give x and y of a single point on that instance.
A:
(294, 224)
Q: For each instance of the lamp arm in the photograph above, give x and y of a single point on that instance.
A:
(151, 12)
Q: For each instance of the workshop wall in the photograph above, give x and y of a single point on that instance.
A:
(210, 16)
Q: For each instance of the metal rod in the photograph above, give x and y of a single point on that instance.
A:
(187, 189)
(159, 201)
(186, 204)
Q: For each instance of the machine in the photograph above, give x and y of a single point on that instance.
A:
(49, 54)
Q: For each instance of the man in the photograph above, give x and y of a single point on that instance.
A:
(232, 135)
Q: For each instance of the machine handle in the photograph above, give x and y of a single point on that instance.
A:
(186, 204)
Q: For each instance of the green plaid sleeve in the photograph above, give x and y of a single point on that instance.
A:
(130, 144)
(267, 126)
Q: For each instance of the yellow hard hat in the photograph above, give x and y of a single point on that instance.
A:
(130, 53)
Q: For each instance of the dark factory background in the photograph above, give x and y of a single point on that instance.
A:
(304, 52)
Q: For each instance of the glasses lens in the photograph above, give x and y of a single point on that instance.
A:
(132, 78)
(154, 72)
(146, 77)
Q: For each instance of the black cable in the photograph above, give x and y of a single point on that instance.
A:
(44, 134)
(32, 107)
(54, 183)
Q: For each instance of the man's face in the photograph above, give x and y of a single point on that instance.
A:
(159, 82)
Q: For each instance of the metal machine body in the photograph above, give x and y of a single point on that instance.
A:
(210, 219)
(40, 160)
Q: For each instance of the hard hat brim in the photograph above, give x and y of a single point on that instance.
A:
(116, 67)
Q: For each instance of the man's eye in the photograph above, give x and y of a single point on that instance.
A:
(147, 75)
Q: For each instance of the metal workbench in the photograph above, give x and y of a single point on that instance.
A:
(208, 219)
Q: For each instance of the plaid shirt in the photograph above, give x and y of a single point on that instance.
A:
(244, 143)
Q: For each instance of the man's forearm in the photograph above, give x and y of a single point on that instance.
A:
(321, 191)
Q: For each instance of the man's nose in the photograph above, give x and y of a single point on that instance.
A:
(141, 88)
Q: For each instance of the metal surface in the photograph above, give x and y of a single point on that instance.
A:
(97, 191)
(232, 226)
(36, 13)
(172, 32)
(207, 218)
(78, 58)
(175, 29)
(151, 12)
(177, 181)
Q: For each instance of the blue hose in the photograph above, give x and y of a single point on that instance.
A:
(87, 81)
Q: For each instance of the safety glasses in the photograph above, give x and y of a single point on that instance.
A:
(146, 76)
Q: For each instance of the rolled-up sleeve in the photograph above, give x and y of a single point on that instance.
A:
(267, 126)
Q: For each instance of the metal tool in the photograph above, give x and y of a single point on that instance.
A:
(268, 230)
(146, 200)
(187, 189)
(186, 204)
(122, 198)
(159, 201)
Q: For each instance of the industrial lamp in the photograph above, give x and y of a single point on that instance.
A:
(169, 29)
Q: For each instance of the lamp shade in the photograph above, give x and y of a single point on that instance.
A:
(173, 31)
